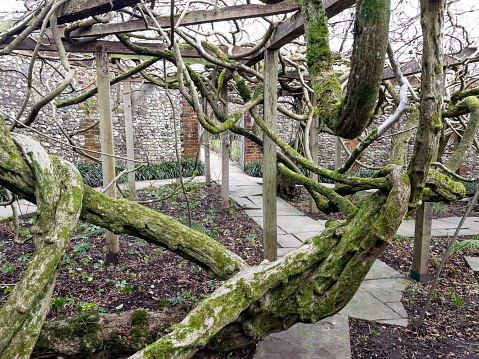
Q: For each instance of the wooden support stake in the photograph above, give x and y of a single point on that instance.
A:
(422, 240)
(130, 150)
(270, 234)
(106, 137)
(225, 157)
(337, 153)
(206, 142)
(314, 149)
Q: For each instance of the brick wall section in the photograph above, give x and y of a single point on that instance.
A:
(189, 130)
(252, 152)
(91, 136)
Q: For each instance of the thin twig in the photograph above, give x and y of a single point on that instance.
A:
(119, 175)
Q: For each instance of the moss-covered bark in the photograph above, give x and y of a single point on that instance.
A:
(312, 282)
(471, 104)
(398, 151)
(99, 334)
(58, 190)
(347, 117)
(432, 87)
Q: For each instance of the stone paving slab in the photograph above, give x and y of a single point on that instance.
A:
(259, 221)
(246, 204)
(386, 290)
(450, 232)
(302, 236)
(291, 224)
(366, 307)
(398, 307)
(288, 240)
(23, 207)
(246, 191)
(281, 252)
(281, 204)
(326, 339)
(469, 222)
(380, 270)
(406, 228)
(257, 211)
(473, 262)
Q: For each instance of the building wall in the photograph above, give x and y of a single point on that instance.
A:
(152, 121)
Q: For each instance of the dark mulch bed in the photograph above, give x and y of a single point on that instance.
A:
(148, 275)
(450, 327)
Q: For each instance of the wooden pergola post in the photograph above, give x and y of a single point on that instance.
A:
(106, 137)
(314, 149)
(225, 157)
(422, 243)
(130, 151)
(270, 233)
(337, 153)
(206, 142)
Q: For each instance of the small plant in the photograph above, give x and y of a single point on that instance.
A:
(402, 238)
(58, 303)
(414, 289)
(255, 169)
(71, 300)
(457, 300)
(24, 258)
(99, 265)
(251, 238)
(179, 299)
(440, 207)
(81, 248)
(7, 268)
(85, 306)
(127, 289)
(465, 245)
(8, 289)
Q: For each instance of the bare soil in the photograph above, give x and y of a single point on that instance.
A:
(149, 276)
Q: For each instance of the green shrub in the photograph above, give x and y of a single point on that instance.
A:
(255, 169)
(92, 172)
(3, 195)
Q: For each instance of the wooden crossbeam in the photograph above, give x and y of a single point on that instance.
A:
(193, 18)
(414, 67)
(116, 47)
(294, 27)
(80, 9)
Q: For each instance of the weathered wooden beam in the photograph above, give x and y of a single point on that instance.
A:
(422, 243)
(314, 150)
(80, 9)
(106, 143)
(206, 142)
(270, 231)
(116, 47)
(414, 66)
(129, 138)
(294, 27)
(225, 156)
(193, 18)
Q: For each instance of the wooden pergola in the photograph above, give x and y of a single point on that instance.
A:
(286, 32)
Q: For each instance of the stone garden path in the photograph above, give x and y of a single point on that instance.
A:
(378, 298)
